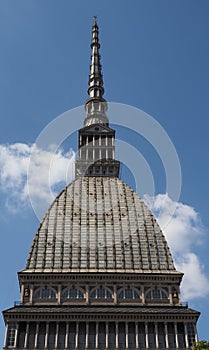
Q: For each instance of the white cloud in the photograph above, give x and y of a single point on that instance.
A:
(183, 229)
(29, 173)
(195, 284)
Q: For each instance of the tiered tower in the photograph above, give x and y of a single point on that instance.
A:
(99, 274)
(96, 139)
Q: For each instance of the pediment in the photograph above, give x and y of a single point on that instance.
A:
(97, 128)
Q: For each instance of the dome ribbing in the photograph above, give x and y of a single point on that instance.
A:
(99, 224)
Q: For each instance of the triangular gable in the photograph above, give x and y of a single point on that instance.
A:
(97, 128)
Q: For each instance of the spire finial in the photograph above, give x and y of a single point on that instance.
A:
(95, 105)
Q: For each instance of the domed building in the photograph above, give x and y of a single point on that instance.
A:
(99, 274)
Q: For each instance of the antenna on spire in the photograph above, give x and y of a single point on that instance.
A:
(95, 19)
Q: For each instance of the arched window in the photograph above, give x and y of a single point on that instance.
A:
(101, 293)
(73, 293)
(128, 294)
(156, 294)
(45, 293)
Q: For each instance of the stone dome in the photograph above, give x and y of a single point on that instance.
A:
(99, 224)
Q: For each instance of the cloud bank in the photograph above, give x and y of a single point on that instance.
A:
(28, 172)
(183, 229)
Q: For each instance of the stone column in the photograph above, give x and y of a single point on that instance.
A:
(16, 334)
(146, 336)
(115, 294)
(56, 336)
(195, 333)
(59, 294)
(6, 334)
(107, 335)
(76, 335)
(26, 335)
(143, 296)
(179, 295)
(166, 335)
(31, 293)
(137, 334)
(176, 335)
(36, 336)
(22, 293)
(87, 147)
(46, 336)
(186, 335)
(116, 335)
(126, 331)
(80, 145)
(113, 154)
(87, 335)
(106, 144)
(87, 294)
(66, 335)
(156, 336)
(97, 335)
(170, 295)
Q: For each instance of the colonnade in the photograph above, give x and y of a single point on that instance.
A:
(101, 335)
(104, 145)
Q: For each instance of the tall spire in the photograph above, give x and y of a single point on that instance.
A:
(96, 105)
(96, 141)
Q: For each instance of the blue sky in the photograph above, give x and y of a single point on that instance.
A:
(155, 57)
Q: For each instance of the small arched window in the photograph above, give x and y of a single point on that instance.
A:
(45, 294)
(156, 294)
(128, 294)
(73, 293)
(101, 293)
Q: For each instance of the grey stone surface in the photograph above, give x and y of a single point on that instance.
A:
(99, 224)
